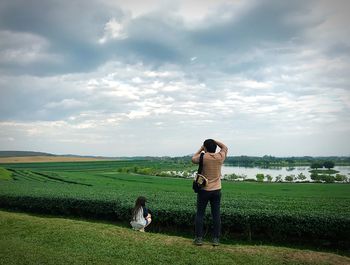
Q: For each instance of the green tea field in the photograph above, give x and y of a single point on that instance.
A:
(312, 213)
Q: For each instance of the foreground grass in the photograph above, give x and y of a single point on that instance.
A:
(27, 239)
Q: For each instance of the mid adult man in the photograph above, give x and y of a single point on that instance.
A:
(212, 163)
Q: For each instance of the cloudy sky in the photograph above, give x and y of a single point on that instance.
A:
(151, 77)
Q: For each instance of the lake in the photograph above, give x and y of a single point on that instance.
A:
(251, 172)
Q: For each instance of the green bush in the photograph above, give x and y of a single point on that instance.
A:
(289, 178)
(340, 178)
(260, 177)
(257, 224)
(327, 178)
(314, 176)
(232, 176)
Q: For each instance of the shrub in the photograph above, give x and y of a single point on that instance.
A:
(289, 178)
(340, 178)
(301, 176)
(314, 176)
(278, 178)
(327, 178)
(232, 176)
(260, 177)
(274, 225)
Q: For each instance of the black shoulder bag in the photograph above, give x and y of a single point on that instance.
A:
(199, 181)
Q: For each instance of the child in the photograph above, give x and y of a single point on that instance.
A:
(140, 216)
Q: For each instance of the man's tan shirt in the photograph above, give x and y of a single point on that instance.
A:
(212, 163)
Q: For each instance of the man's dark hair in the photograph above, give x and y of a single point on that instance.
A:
(210, 145)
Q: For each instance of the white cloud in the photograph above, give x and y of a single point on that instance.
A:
(138, 114)
(159, 73)
(113, 30)
(137, 80)
(66, 104)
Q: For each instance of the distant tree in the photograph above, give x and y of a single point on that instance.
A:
(232, 176)
(291, 161)
(316, 165)
(301, 176)
(278, 178)
(268, 178)
(260, 177)
(328, 164)
(314, 176)
(340, 177)
(327, 178)
(143, 171)
(289, 178)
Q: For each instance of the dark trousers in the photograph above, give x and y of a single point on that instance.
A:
(214, 197)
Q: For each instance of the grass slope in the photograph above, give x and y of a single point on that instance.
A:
(27, 239)
(5, 174)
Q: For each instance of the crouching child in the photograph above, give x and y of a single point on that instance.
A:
(141, 217)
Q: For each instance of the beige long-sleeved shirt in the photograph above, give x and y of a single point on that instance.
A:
(212, 163)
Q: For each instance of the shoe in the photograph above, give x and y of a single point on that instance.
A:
(216, 242)
(198, 241)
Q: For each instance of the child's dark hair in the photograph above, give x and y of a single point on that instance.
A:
(140, 202)
(210, 145)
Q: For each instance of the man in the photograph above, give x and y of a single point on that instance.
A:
(212, 163)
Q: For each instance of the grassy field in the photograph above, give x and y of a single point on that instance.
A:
(277, 212)
(27, 239)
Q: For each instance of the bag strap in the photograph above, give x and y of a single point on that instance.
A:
(200, 167)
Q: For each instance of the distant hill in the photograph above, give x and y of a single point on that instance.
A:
(22, 153)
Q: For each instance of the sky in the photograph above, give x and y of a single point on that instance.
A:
(157, 78)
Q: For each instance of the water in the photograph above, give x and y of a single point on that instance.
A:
(251, 172)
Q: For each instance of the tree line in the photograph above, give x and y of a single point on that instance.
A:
(272, 161)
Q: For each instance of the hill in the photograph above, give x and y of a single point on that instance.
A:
(27, 239)
(31, 157)
(23, 153)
